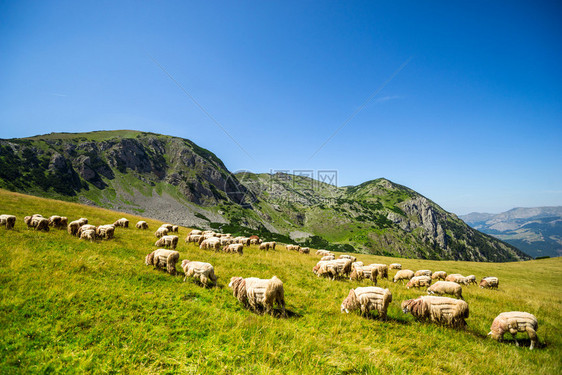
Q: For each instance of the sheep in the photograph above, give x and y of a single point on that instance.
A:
(423, 273)
(8, 221)
(55, 221)
(367, 299)
(357, 264)
(84, 228)
(489, 282)
(457, 278)
(170, 227)
(304, 250)
(73, 227)
(195, 232)
(163, 258)
(403, 275)
(395, 266)
(323, 252)
(446, 287)
(37, 222)
(161, 232)
(175, 228)
(257, 293)
(293, 247)
(272, 245)
(203, 272)
(364, 272)
(122, 223)
(345, 256)
(142, 225)
(471, 279)
(334, 268)
(327, 258)
(168, 242)
(441, 310)
(207, 232)
(82, 221)
(515, 321)
(225, 241)
(234, 248)
(210, 243)
(193, 238)
(88, 234)
(63, 222)
(418, 282)
(439, 275)
(106, 231)
(264, 246)
(382, 268)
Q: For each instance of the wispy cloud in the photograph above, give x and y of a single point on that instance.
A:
(387, 98)
(57, 94)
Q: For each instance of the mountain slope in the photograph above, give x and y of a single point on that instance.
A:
(536, 230)
(173, 179)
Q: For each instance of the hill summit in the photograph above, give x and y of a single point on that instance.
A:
(173, 179)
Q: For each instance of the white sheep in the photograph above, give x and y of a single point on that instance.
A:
(88, 234)
(423, 273)
(82, 221)
(457, 278)
(293, 247)
(419, 282)
(212, 243)
(257, 293)
(515, 321)
(441, 310)
(489, 282)
(195, 232)
(364, 272)
(439, 275)
(446, 287)
(106, 231)
(8, 221)
(346, 256)
(304, 250)
(73, 227)
(395, 266)
(164, 259)
(161, 232)
(235, 248)
(203, 272)
(367, 299)
(403, 275)
(382, 268)
(168, 242)
(142, 225)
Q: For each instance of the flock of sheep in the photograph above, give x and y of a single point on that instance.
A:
(264, 294)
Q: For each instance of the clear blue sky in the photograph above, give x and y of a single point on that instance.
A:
(473, 121)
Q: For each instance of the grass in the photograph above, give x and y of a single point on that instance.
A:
(72, 306)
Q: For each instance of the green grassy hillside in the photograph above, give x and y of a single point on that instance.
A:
(72, 306)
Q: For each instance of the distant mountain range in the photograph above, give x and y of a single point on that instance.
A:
(536, 230)
(173, 179)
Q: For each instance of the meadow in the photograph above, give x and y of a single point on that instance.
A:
(72, 306)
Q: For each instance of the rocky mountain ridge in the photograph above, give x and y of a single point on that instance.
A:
(173, 179)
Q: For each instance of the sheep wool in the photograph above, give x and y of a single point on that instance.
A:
(200, 271)
(515, 321)
(446, 287)
(403, 275)
(8, 221)
(367, 299)
(441, 310)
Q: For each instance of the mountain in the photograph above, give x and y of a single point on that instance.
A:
(173, 179)
(536, 230)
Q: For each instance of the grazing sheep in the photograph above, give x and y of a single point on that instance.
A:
(175, 228)
(382, 268)
(446, 287)
(327, 258)
(225, 241)
(207, 232)
(257, 293)
(345, 256)
(193, 238)
(264, 246)
(323, 252)
(441, 310)
(471, 279)
(82, 221)
(55, 221)
(88, 234)
(37, 222)
(106, 231)
(293, 247)
(333, 268)
(161, 232)
(304, 250)
(423, 273)
(357, 264)
(367, 299)
(164, 259)
(272, 245)
(457, 278)
(515, 321)
(403, 275)
(8, 221)
(170, 242)
(203, 272)
(84, 228)
(364, 272)
(122, 223)
(212, 243)
(142, 225)
(419, 282)
(170, 227)
(234, 248)
(195, 232)
(439, 275)
(395, 266)
(73, 227)
(63, 222)
(489, 282)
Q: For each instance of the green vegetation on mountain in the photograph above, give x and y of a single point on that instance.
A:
(172, 179)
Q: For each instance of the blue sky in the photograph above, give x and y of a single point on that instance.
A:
(473, 120)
